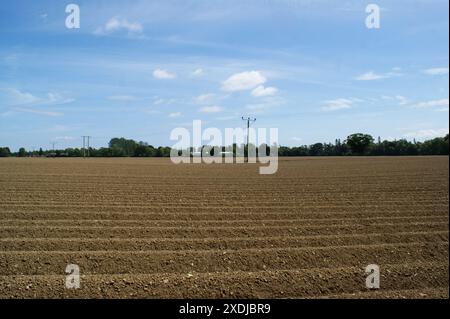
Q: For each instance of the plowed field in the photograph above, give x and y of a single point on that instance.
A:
(146, 228)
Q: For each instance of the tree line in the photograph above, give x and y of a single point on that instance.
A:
(364, 144)
(117, 147)
(355, 144)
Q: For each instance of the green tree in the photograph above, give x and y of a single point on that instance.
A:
(123, 146)
(22, 152)
(117, 152)
(5, 152)
(359, 143)
(316, 149)
(436, 146)
(143, 150)
(163, 152)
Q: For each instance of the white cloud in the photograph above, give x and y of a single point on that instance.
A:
(175, 114)
(264, 91)
(163, 74)
(116, 24)
(436, 71)
(243, 81)
(372, 76)
(204, 98)
(257, 107)
(65, 138)
(338, 104)
(429, 133)
(159, 101)
(401, 100)
(198, 72)
(11, 58)
(267, 104)
(296, 139)
(162, 101)
(433, 103)
(7, 113)
(227, 118)
(123, 98)
(150, 111)
(369, 76)
(56, 98)
(16, 97)
(59, 128)
(211, 109)
(38, 112)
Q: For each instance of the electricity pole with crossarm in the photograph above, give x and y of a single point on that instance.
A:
(249, 121)
(84, 145)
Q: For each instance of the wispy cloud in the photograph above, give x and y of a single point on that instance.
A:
(38, 112)
(123, 98)
(117, 24)
(151, 111)
(56, 98)
(175, 114)
(296, 139)
(372, 76)
(398, 98)
(338, 104)
(204, 98)
(65, 138)
(198, 72)
(436, 71)
(428, 133)
(211, 109)
(267, 103)
(264, 91)
(15, 97)
(433, 103)
(7, 113)
(163, 101)
(401, 100)
(227, 118)
(258, 107)
(60, 128)
(243, 81)
(161, 74)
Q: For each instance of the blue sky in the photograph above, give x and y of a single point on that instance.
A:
(138, 69)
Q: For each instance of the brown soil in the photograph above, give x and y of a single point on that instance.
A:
(146, 228)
